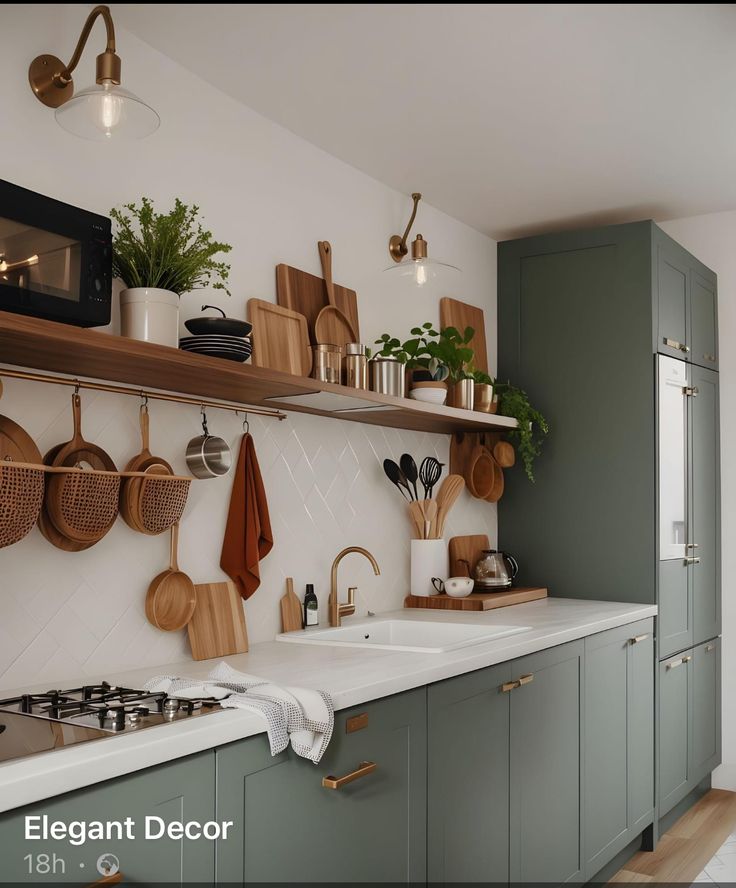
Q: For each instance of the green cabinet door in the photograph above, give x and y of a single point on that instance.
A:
(468, 778)
(706, 716)
(183, 790)
(671, 267)
(618, 752)
(290, 828)
(545, 803)
(704, 319)
(675, 730)
(705, 571)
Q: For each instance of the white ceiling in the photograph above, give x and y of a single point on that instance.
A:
(511, 118)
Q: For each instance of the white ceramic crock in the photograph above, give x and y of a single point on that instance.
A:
(428, 559)
(150, 314)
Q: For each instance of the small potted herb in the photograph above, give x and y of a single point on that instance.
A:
(533, 428)
(484, 396)
(161, 256)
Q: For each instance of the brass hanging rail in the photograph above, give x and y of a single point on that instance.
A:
(138, 393)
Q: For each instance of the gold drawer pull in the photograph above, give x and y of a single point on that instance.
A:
(675, 663)
(526, 679)
(509, 686)
(363, 769)
(638, 638)
(691, 560)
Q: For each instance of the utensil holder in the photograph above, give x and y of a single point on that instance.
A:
(428, 559)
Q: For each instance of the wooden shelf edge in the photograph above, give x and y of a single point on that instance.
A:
(74, 351)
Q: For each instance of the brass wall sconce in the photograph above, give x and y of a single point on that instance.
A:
(102, 111)
(420, 267)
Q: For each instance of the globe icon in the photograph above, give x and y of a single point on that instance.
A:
(108, 865)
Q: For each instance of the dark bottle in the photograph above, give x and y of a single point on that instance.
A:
(311, 607)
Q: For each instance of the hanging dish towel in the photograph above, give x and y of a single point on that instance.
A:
(297, 716)
(248, 536)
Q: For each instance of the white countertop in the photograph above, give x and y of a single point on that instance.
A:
(352, 676)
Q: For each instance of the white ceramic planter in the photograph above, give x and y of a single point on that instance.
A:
(428, 559)
(150, 314)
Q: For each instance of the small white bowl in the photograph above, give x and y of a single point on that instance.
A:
(459, 587)
(430, 395)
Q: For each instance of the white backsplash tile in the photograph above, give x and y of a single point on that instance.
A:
(64, 615)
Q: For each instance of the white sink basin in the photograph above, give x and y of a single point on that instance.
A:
(403, 635)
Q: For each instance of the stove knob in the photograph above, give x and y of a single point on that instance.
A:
(134, 717)
(119, 719)
(171, 706)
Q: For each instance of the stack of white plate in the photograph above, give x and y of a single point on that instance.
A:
(232, 348)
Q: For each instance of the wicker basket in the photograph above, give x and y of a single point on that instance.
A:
(161, 503)
(82, 504)
(21, 497)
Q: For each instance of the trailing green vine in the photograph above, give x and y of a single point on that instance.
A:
(533, 427)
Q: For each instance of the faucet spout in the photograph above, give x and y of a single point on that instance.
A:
(337, 610)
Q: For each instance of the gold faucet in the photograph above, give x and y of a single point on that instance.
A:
(337, 610)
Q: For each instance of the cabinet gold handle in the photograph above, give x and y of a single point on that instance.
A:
(363, 769)
(693, 546)
(687, 659)
(709, 648)
(526, 679)
(637, 638)
(672, 343)
(509, 686)
(691, 560)
(675, 663)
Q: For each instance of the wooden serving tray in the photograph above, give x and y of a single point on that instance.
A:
(476, 601)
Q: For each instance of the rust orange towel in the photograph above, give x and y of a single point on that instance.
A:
(248, 536)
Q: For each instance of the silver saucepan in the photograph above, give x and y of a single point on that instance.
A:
(207, 455)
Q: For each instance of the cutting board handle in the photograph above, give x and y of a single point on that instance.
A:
(325, 255)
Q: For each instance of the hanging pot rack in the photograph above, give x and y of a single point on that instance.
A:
(144, 394)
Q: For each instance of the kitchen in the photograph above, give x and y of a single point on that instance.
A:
(74, 619)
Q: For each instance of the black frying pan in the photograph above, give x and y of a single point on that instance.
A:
(223, 326)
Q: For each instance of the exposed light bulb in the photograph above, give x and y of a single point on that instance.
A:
(110, 111)
(420, 274)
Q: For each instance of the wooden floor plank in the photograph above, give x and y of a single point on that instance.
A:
(688, 846)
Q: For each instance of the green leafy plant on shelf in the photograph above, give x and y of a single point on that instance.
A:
(533, 427)
(445, 354)
(171, 251)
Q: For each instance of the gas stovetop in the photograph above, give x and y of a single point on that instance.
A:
(33, 723)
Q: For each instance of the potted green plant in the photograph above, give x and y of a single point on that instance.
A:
(533, 427)
(159, 257)
(426, 373)
(484, 395)
(453, 350)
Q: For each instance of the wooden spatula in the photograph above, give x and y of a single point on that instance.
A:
(449, 491)
(331, 327)
(291, 609)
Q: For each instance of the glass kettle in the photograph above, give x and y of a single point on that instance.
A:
(495, 570)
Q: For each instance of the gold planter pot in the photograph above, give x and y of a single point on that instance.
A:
(462, 394)
(484, 402)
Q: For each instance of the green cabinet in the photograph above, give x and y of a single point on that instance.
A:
(689, 721)
(686, 304)
(290, 828)
(468, 778)
(618, 751)
(181, 791)
(505, 772)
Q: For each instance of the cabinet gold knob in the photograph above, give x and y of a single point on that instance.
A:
(637, 638)
(363, 769)
(526, 679)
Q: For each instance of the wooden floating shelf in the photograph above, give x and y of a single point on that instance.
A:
(45, 345)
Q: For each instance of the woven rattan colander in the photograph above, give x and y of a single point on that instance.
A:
(83, 504)
(21, 497)
(161, 503)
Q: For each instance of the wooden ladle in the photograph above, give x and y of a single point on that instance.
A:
(171, 597)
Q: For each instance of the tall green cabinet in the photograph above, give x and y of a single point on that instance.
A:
(614, 334)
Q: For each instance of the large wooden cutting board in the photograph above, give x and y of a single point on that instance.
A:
(217, 628)
(476, 601)
(307, 294)
(454, 313)
(280, 338)
(468, 548)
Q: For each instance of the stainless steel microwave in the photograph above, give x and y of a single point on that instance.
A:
(55, 259)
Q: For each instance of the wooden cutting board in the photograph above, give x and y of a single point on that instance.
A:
(469, 548)
(307, 294)
(454, 313)
(291, 609)
(280, 338)
(476, 601)
(217, 628)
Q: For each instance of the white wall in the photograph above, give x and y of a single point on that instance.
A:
(711, 238)
(273, 196)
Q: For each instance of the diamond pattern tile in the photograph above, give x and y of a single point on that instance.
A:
(68, 615)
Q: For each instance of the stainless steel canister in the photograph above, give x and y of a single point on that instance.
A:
(387, 376)
(327, 363)
(356, 366)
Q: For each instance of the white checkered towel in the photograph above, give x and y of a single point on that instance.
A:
(297, 716)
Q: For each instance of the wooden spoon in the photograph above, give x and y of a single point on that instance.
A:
(430, 519)
(171, 597)
(449, 491)
(417, 517)
(504, 454)
(481, 472)
(331, 326)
